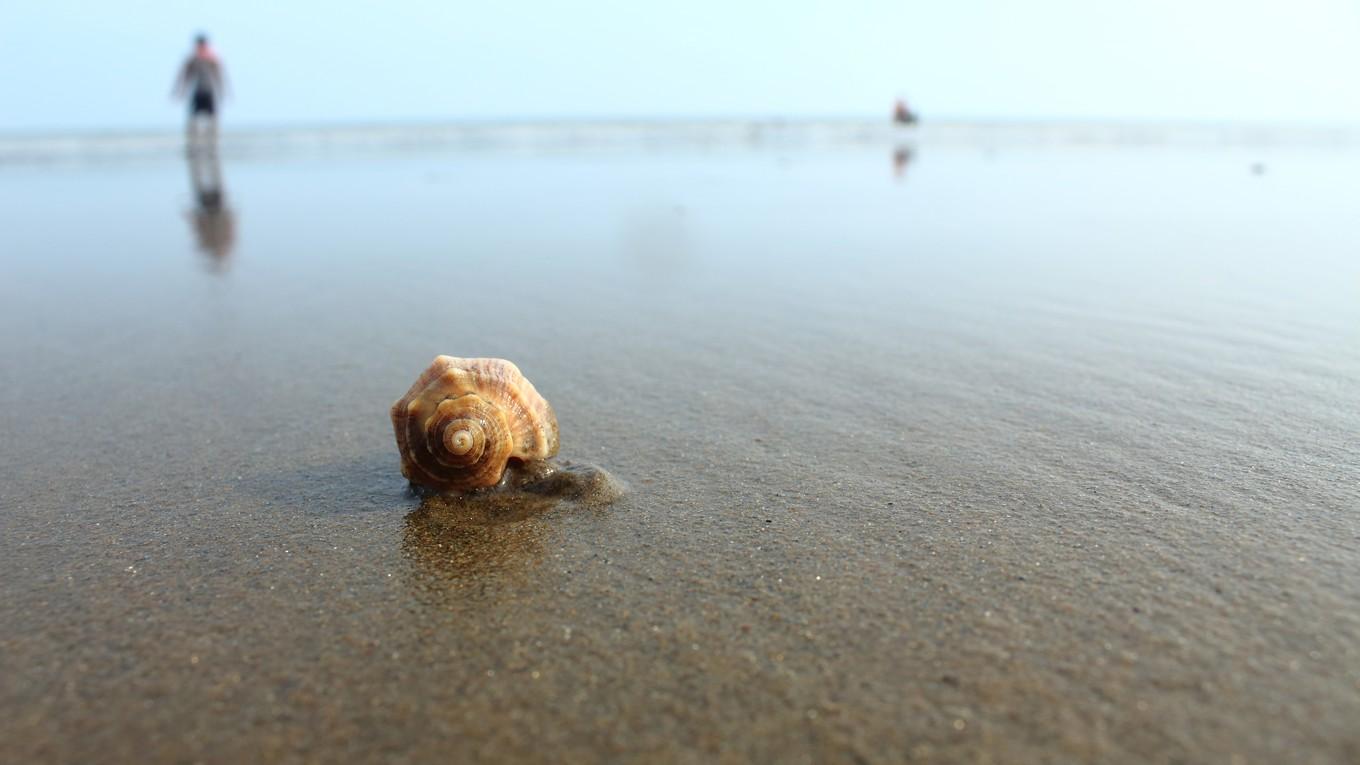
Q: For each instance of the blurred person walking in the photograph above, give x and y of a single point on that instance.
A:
(203, 79)
(902, 114)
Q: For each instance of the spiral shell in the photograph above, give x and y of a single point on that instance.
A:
(465, 419)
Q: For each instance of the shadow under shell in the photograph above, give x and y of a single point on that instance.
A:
(526, 490)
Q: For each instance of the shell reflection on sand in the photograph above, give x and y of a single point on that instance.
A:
(460, 538)
(450, 549)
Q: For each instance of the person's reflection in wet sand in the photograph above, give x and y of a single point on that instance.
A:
(901, 157)
(213, 221)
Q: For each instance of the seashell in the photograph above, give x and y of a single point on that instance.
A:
(465, 419)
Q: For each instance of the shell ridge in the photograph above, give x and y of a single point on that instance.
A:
(505, 415)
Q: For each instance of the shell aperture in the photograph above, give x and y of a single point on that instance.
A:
(463, 421)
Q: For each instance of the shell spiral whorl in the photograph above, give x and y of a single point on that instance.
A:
(465, 419)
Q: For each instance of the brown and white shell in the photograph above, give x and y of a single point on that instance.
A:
(465, 419)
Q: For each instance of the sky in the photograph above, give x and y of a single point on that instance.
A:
(69, 65)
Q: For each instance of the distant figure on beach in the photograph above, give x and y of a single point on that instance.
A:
(203, 80)
(902, 115)
(213, 221)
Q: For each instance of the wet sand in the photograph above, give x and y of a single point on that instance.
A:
(984, 453)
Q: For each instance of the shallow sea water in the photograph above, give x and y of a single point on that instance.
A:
(976, 451)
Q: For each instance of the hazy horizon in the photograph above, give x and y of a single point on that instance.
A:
(868, 120)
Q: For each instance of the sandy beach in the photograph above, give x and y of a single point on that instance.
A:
(975, 449)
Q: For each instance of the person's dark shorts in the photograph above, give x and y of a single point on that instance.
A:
(202, 103)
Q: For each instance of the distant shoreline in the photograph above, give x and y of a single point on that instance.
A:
(246, 142)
